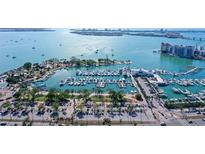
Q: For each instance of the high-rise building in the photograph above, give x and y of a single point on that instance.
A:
(190, 51)
(181, 51)
(166, 47)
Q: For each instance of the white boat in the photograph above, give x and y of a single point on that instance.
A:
(186, 92)
(175, 90)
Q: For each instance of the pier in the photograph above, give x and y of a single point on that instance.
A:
(98, 73)
(198, 98)
(195, 69)
(99, 82)
(186, 82)
(164, 72)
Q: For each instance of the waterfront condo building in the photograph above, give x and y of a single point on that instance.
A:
(178, 50)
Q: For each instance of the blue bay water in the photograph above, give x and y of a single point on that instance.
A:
(138, 49)
(135, 48)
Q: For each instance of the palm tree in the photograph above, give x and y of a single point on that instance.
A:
(51, 96)
(116, 98)
(80, 107)
(34, 91)
(95, 107)
(130, 108)
(99, 91)
(7, 105)
(85, 95)
(138, 97)
(113, 96)
(107, 121)
(55, 105)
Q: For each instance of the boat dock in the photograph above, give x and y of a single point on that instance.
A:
(98, 73)
(164, 72)
(200, 96)
(186, 82)
(100, 82)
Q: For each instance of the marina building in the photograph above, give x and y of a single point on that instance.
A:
(142, 73)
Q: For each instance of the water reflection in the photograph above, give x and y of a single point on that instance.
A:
(174, 63)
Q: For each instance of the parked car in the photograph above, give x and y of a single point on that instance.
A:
(163, 124)
(3, 124)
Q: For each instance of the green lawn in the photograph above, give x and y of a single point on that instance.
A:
(100, 99)
(40, 98)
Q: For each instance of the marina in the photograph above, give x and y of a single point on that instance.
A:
(100, 82)
(118, 77)
(107, 79)
(90, 80)
(98, 73)
(186, 82)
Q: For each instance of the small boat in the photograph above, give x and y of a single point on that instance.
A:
(100, 85)
(62, 83)
(202, 83)
(33, 48)
(14, 57)
(163, 95)
(161, 91)
(175, 90)
(42, 55)
(186, 92)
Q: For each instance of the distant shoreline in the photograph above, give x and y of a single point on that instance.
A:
(121, 32)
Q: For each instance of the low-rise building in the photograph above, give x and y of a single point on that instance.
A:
(142, 73)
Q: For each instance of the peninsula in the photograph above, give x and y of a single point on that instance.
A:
(121, 32)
